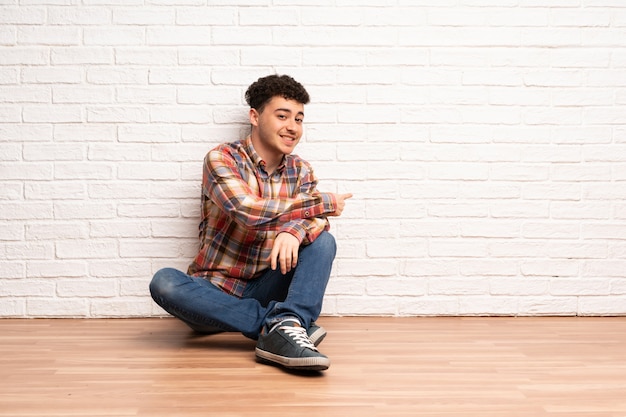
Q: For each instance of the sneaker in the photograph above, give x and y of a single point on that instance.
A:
(316, 334)
(287, 344)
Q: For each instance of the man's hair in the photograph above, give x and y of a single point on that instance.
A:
(264, 89)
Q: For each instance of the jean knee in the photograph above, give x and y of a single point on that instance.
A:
(162, 283)
(326, 244)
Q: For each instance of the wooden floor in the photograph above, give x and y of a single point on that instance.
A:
(380, 367)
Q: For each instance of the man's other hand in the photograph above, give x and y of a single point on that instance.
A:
(341, 204)
(285, 252)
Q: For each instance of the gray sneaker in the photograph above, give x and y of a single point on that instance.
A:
(316, 334)
(287, 344)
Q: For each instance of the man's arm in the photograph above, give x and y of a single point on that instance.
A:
(225, 186)
(293, 234)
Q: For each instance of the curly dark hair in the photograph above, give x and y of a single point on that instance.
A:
(264, 89)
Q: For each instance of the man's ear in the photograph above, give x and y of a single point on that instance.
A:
(254, 117)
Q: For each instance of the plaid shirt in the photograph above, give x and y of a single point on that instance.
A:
(244, 208)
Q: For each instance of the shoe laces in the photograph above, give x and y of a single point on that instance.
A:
(299, 335)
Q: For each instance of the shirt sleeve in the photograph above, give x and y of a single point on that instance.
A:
(306, 230)
(226, 187)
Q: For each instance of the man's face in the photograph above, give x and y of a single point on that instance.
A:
(278, 128)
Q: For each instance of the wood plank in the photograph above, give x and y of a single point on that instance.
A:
(381, 366)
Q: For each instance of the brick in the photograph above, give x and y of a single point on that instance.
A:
(11, 269)
(116, 75)
(576, 250)
(14, 307)
(52, 114)
(9, 76)
(397, 248)
(83, 133)
(10, 114)
(86, 249)
(53, 152)
(365, 306)
(149, 133)
(588, 287)
(56, 230)
(147, 210)
(488, 306)
(119, 152)
(25, 210)
(148, 95)
(489, 228)
(28, 287)
(174, 228)
(430, 228)
(74, 94)
(16, 251)
(81, 55)
(548, 306)
(11, 153)
(144, 171)
(179, 35)
(22, 15)
(213, 16)
(115, 268)
(9, 231)
(24, 94)
(143, 16)
(155, 248)
(366, 267)
(550, 230)
(193, 76)
(119, 36)
(86, 288)
(270, 55)
(346, 286)
(602, 306)
(19, 55)
(567, 210)
(402, 287)
(119, 229)
(82, 170)
(56, 307)
(428, 306)
(11, 191)
(519, 287)
(79, 16)
(54, 190)
(117, 114)
(52, 75)
(458, 286)
(552, 268)
(124, 307)
(56, 269)
(457, 248)
(213, 56)
(134, 287)
(48, 35)
(142, 56)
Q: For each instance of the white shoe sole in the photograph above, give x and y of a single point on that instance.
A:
(314, 363)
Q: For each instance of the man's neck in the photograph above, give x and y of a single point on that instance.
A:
(272, 160)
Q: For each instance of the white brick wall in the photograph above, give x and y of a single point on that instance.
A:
(485, 143)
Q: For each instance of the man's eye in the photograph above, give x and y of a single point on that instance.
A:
(299, 120)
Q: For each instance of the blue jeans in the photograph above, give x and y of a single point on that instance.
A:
(267, 299)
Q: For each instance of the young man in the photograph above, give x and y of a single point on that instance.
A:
(265, 253)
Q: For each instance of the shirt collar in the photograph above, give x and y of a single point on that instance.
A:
(256, 158)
